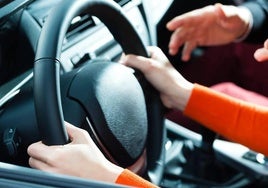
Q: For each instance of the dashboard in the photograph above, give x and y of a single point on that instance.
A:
(87, 38)
(9, 7)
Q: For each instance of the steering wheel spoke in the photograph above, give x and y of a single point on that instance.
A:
(126, 120)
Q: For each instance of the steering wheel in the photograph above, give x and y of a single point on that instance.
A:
(121, 110)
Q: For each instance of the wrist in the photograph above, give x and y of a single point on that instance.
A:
(183, 95)
(247, 19)
(106, 171)
(112, 172)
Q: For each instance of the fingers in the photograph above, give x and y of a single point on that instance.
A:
(266, 44)
(181, 38)
(176, 41)
(138, 62)
(184, 28)
(71, 130)
(38, 151)
(186, 19)
(261, 54)
(77, 135)
(187, 50)
(175, 23)
(157, 54)
(146, 65)
(38, 164)
(40, 155)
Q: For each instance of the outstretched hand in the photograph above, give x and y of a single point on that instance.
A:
(174, 89)
(81, 157)
(208, 26)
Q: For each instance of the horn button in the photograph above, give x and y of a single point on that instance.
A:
(114, 102)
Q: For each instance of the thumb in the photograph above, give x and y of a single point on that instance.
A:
(70, 128)
(221, 15)
(77, 135)
(73, 131)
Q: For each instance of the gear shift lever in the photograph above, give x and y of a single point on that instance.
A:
(208, 137)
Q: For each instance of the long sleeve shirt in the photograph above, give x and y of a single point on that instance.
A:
(237, 120)
(259, 11)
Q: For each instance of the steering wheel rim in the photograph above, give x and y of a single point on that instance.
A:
(49, 51)
(47, 70)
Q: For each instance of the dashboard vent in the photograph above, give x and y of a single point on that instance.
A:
(79, 24)
(122, 2)
(84, 22)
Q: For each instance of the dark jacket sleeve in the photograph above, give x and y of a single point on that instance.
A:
(259, 10)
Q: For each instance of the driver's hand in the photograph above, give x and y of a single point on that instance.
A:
(261, 54)
(174, 89)
(208, 26)
(81, 157)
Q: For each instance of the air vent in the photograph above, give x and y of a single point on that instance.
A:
(79, 24)
(83, 22)
(122, 2)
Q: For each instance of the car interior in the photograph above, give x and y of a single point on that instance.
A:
(58, 62)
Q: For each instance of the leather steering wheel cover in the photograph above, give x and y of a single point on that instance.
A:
(59, 20)
(49, 51)
(50, 122)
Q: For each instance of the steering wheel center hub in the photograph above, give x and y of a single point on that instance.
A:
(115, 106)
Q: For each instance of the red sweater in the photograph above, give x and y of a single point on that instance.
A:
(239, 121)
(129, 178)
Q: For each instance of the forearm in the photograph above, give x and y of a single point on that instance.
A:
(236, 120)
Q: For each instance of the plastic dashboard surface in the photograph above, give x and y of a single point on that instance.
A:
(14, 176)
(84, 39)
(9, 7)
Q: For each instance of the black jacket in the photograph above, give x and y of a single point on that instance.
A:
(259, 10)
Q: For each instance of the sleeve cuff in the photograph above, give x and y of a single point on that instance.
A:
(131, 179)
(250, 25)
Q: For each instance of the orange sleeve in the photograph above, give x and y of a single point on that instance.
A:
(131, 179)
(239, 121)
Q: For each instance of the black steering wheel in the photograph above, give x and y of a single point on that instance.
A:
(122, 112)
